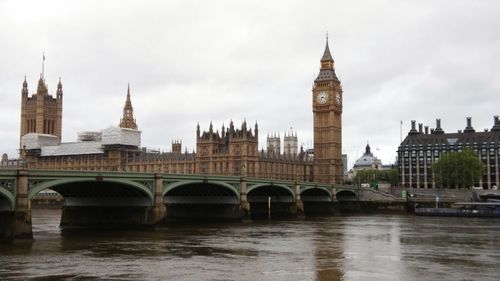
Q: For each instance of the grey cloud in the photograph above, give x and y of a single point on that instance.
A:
(190, 61)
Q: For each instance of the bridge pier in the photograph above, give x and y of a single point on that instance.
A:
(244, 205)
(298, 202)
(159, 211)
(17, 224)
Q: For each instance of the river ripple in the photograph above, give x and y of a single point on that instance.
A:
(373, 247)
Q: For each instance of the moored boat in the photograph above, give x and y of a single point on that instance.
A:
(463, 209)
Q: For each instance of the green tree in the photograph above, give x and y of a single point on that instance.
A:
(370, 175)
(392, 176)
(366, 176)
(458, 169)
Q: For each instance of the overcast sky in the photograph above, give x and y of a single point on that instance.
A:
(202, 61)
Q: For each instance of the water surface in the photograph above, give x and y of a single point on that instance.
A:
(368, 247)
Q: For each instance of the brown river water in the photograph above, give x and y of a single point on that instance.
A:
(356, 247)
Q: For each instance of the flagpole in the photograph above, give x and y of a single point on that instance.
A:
(401, 132)
(43, 65)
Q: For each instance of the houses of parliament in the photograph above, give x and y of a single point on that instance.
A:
(231, 151)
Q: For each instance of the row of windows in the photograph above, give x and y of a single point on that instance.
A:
(452, 142)
(437, 152)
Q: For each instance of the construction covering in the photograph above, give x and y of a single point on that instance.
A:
(73, 148)
(37, 141)
(121, 136)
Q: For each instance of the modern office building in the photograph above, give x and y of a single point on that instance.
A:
(423, 147)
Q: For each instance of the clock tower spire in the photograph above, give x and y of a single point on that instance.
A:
(327, 111)
(128, 120)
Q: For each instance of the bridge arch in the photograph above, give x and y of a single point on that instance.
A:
(200, 192)
(7, 200)
(316, 194)
(109, 187)
(277, 192)
(346, 195)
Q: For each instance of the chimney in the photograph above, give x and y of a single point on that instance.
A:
(426, 130)
(413, 131)
(496, 124)
(420, 128)
(469, 128)
(438, 129)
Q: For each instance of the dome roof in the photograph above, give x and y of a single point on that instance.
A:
(367, 160)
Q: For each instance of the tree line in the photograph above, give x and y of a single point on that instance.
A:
(461, 169)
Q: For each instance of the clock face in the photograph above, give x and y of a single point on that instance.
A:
(338, 98)
(322, 97)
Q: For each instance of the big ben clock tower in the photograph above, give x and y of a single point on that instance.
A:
(327, 111)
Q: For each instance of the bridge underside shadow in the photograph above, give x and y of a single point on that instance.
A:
(6, 217)
(347, 201)
(317, 202)
(202, 201)
(5, 204)
(282, 203)
(103, 204)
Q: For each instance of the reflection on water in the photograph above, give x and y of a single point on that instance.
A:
(376, 247)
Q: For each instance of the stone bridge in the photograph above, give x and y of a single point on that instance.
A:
(93, 198)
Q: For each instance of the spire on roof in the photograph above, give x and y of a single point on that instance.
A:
(24, 91)
(128, 120)
(368, 149)
(43, 66)
(327, 56)
(59, 89)
(327, 69)
(42, 87)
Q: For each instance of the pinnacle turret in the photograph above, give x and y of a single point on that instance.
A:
(59, 88)
(128, 120)
(25, 87)
(42, 88)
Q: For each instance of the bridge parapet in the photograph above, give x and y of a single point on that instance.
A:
(46, 179)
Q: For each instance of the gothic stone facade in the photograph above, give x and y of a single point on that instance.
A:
(233, 151)
(327, 110)
(41, 113)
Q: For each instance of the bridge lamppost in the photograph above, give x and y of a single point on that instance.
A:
(21, 163)
(243, 170)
